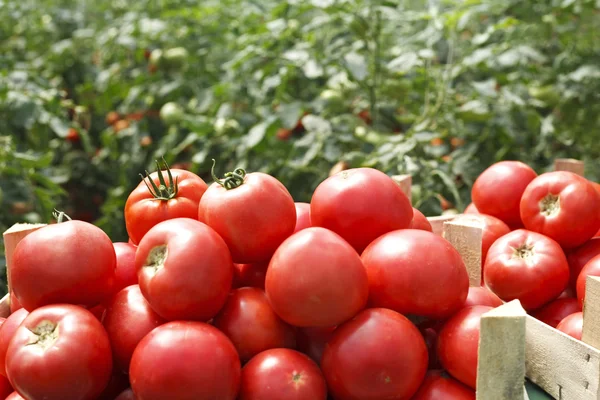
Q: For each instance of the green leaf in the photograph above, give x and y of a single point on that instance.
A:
(357, 65)
(289, 114)
(258, 132)
(60, 127)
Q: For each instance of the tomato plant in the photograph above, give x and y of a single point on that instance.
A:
(572, 325)
(438, 385)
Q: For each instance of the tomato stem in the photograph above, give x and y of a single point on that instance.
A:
(60, 216)
(232, 180)
(164, 190)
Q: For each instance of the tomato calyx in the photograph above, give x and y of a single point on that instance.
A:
(157, 257)
(46, 334)
(60, 216)
(524, 252)
(165, 191)
(232, 179)
(550, 205)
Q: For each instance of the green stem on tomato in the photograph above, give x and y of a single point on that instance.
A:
(164, 190)
(60, 216)
(232, 180)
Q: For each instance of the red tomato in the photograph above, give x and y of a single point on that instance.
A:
(252, 275)
(420, 221)
(430, 336)
(438, 386)
(492, 229)
(59, 352)
(5, 388)
(125, 274)
(563, 206)
(118, 382)
(174, 193)
(301, 274)
(127, 394)
(527, 266)
(482, 296)
(458, 344)
(185, 361)
(379, 354)
(555, 311)
(572, 325)
(14, 396)
(282, 374)
(592, 268)
(98, 311)
(580, 256)
(498, 190)
(43, 272)
(251, 324)
(360, 205)
(14, 303)
(312, 341)
(184, 269)
(471, 209)
(128, 319)
(416, 272)
(302, 216)
(7, 331)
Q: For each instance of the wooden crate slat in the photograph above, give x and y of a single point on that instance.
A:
(466, 234)
(12, 236)
(569, 164)
(437, 223)
(591, 312)
(405, 183)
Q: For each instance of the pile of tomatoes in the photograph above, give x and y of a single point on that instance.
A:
(234, 291)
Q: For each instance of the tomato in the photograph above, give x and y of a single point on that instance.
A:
(184, 269)
(125, 274)
(360, 204)
(527, 266)
(592, 268)
(301, 274)
(253, 213)
(430, 336)
(7, 331)
(580, 256)
(458, 344)
(127, 394)
(471, 209)
(185, 360)
(379, 354)
(112, 117)
(128, 319)
(498, 190)
(251, 324)
(302, 216)
(174, 193)
(284, 134)
(252, 275)
(14, 303)
(437, 386)
(47, 266)
(14, 396)
(171, 113)
(72, 135)
(572, 325)
(420, 221)
(312, 341)
(5, 387)
(118, 382)
(59, 352)
(482, 296)
(282, 374)
(555, 311)
(492, 229)
(98, 311)
(416, 272)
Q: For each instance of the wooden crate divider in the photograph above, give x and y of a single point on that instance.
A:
(405, 183)
(569, 164)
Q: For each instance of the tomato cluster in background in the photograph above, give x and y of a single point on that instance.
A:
(234, 291)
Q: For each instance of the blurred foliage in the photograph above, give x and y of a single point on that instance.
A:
(438, 89)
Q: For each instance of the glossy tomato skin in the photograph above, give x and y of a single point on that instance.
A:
(74, 356)
(415, 272)
(527, 266)
(143, 211)
(127, 394)
(312, 341)
(360, 205)
(563, 206)
(14, 303)
(471, 209)
(194, 279)
(251, 275)
(555, 311)
(185, 361)
(302, 216)
(592, 268)
(420, 221)
(458, 343)
(128, 319)
(7, 331)
(282, 374)
(482, 296)
(118, 382)
(492, 229)
(251, 324)
(5, 388)
(580, 256)
(387, 360)
(47, 266)
(125, 273)
(253, 218)
(572, 325)
(300, 276)
(439, 386)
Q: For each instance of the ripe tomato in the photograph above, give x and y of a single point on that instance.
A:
(302, 216)
(251, 324)
(14, 303)
(184, 269)
(563, 206)
(527, 266)
(312, 341)
(125, 274)
(498, 190)
(253, 213)
(360, 205)
(437, 386)
(592, 268)
(482, 296)
(14, 396)
(5, 388)
(420, 221)
(7, 331)
(580, 256)
(252, 275)
(300, 276)
(416, 272)
(43, 272)
(555, 311)
(128, 319)
(492, 229)
(127, 394)
(471, 209)
(174, 193)
(380, 365)
(118, 382)
(572, 325)
(282, 374)
(458, 344)
(185, 361)
(59, 352)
